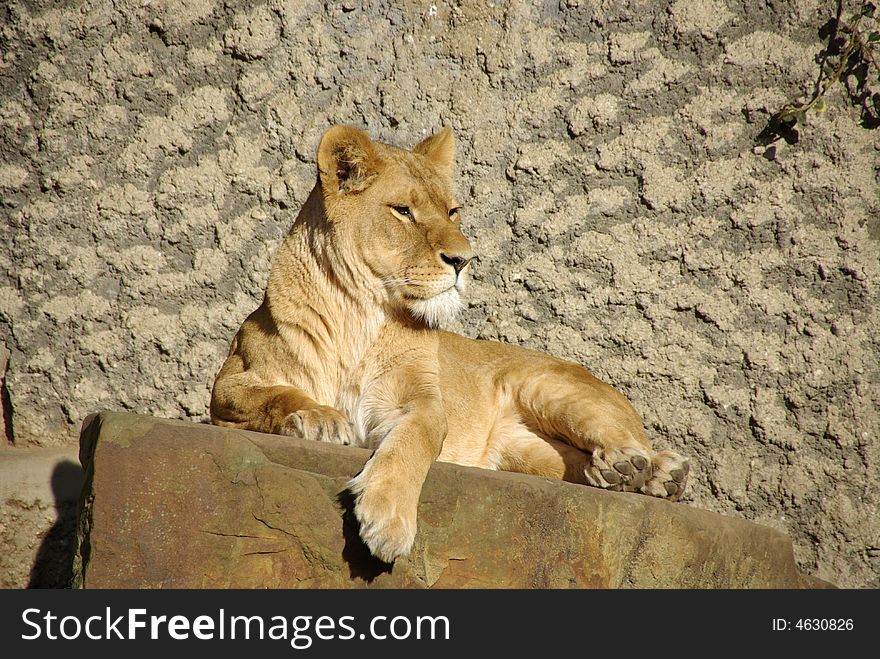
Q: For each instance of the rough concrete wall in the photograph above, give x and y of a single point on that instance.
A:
(153, 153)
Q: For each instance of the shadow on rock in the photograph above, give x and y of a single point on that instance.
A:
(361, 563)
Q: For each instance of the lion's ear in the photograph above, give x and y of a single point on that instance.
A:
(439, 149)
(347, 160)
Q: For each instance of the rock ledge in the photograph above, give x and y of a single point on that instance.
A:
(171, 504)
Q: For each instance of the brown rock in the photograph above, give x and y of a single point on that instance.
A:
(177, 504)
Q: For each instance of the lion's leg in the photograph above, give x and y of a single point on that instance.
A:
(516, 448)
(404, 416)
(566, 402)
(240, 399)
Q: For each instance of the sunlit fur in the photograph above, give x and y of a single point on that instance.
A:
(344, 349)
(437, 310)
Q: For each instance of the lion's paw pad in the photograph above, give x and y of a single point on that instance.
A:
(669, 478)
(620, 469)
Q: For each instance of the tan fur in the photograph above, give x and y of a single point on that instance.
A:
(344, 349)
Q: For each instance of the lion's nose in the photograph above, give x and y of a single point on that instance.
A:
(456, 261)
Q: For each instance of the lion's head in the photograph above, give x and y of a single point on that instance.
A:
(394, 211)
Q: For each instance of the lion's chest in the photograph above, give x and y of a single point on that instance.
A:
(369, 399)
(350, 401)
(374, 392)
(357, 389)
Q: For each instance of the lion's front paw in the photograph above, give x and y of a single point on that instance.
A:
(620, 469)
(320, 424)
(387, 525)
(669, 478)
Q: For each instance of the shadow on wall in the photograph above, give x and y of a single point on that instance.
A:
(53, 565)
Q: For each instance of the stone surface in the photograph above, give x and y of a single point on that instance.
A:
(39, 491)
(152, 154)
(172, 504)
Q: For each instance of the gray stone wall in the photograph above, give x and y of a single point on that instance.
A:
(153, 153)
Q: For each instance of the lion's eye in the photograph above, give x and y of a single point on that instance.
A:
(403, 211)
(453, 213)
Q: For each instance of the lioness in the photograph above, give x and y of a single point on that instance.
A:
(344, 349)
